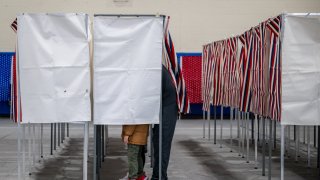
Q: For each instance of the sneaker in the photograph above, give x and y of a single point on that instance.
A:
(143, 177)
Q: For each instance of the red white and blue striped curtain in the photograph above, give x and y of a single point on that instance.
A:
(171, 63)
(246, 71)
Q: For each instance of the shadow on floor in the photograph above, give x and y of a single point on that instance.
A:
(206, 157)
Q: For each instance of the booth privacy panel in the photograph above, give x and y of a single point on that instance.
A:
(301, 70)
(54, 68)
(127, 69)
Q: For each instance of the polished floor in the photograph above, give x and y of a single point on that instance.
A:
(193, 157)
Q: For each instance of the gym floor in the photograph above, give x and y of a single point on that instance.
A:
(193, 157)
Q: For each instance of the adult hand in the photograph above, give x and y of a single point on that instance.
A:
(126, 139)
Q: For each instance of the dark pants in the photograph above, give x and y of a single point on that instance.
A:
(169, 119)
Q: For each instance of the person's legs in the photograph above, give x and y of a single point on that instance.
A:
(133, 154)
(169, 119)
(155, 139)
(140, 160)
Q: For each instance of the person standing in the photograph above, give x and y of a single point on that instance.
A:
(135, 136)
(169, 120)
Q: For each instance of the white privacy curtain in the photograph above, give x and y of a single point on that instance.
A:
(53, 56)
(301, 70)
(127, 69)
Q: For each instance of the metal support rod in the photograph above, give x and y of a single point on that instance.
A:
(263, 147)
(231, 118)
(41, 141)
(215, 125)
(252, 129)
(29, 148)
(62, 132)
(59, 134)
(19, 148)
(294, 132)
(33, 144)
(288, 141)
(282, 151)
(275, 135)
(247, 135)
(239, 132)
(296, 144)
(314, 136)
(23, 151)
(243, 132)
(204, 123)
(67, 129)
(221, 125)
(102, 142)
(209, 125)
(256, 141)
(85, 151)
(270, 150)
(238, 123)
(99, 149)
(51, 140)
(318, 162)
(308, 141)
(304, 134)
(258, 128)
(95, 152)
(298, 141)
(54, 137)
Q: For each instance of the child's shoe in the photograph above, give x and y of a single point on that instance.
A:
(143, 177)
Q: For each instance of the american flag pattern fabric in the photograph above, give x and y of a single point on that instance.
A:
(171, 63)
(246, 71)
(274, 97)
(5, 74)
(14, 82)
(14, 25)
(205, 77)
(191, 70)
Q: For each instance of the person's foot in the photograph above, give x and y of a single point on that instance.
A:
(143, 176)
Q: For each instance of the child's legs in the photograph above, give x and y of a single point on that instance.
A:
(133, 156)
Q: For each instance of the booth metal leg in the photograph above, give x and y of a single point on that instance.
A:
(247, 135)
(85, 151)
(263, 147)
(59, 134)
(51, 140)
(29, 148)
(239, 132)
(67, 129)
(282, 151)
(215, 124)
(270, 150)
(204, 124)
(308, 141)
(221, 126)
(41, 141)
(256, 141)
(231, 117)
(54, 137)
(209, 125)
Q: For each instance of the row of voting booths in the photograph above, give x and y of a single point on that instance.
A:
(70, 71)
(272, 72)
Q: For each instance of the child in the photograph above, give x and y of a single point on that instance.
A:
(135, 136)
